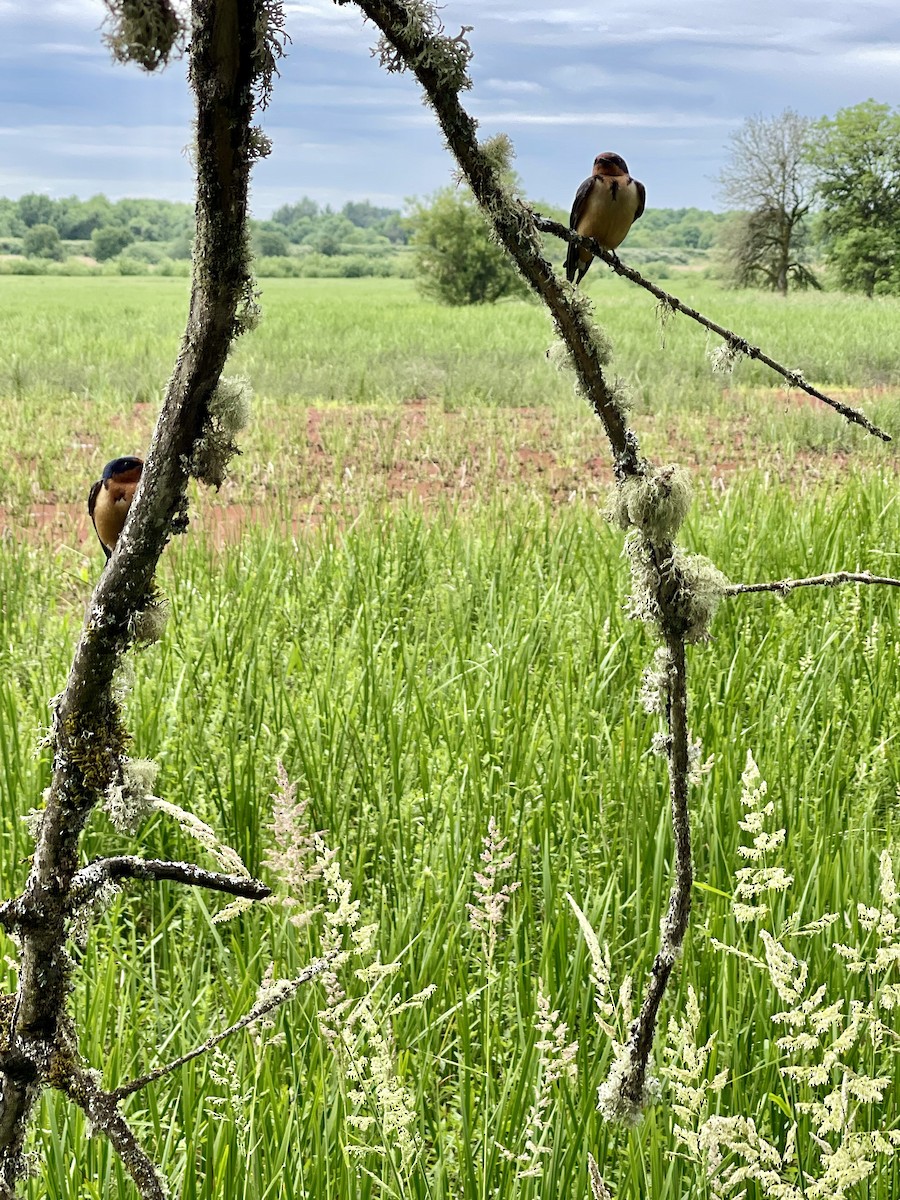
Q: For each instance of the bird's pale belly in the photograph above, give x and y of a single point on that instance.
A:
(111, 510)
(608, 218)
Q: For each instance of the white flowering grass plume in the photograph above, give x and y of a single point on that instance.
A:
(356, 1020)
(615, 1017)
(555, 1064)
(491, 898)
(837, 1051)
(292, 855)
(359, 1026)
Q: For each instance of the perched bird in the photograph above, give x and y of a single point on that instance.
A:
(110, 498)
(605, 208)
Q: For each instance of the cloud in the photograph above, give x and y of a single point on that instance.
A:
(663, 83)
(627, 120)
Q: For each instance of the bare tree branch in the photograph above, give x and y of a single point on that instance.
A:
(735, 343)
(787, 585)
(278, 995)
(91, 878)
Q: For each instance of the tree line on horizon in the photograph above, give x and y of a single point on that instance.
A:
(802, 195)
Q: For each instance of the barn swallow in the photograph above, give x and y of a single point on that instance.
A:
(110, 499)
(605, 207)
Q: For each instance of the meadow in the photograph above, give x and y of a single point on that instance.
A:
(408, 593)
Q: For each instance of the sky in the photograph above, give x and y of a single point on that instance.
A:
(662, 82)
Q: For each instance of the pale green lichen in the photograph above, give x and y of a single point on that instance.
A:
(657, 681)
(128, 802)
(702, 588)
(500, 152)
(271, 37)
(428, 48)
(228, 413)
(656, 503)
(559, 356)
(690, 605)
(149, 624)
(146, 32)
(615, 1105)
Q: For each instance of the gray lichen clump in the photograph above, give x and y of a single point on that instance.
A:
(228, 412)
(447, 57)
(146, 32)
(675, 591)
(656, 503)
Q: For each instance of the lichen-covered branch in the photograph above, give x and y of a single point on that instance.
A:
(279, 993)
(784, 586)
(230, 69)
(626, 1092)
(90, 879)
(414, 39)
(735, 346)
(102, 1110)
(677, 593)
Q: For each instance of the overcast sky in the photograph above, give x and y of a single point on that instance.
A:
(661, 82)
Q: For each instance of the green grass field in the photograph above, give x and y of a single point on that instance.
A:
(408, 593)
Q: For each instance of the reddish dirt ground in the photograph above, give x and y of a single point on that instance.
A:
(339, 459)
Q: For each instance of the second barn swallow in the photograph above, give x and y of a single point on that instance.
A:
(110, 499)
(605, 208)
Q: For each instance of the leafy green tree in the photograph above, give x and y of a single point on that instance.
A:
(289, 214)
(110, 240)
(856, 155)
(42, 241)
(456, 261)
(330, 233)
(270, 243)
(364, 214)
(35, 209)
(77, 219)
(769, 178)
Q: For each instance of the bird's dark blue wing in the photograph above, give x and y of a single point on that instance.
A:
(579, 202)
(92, 504)
(642, 198)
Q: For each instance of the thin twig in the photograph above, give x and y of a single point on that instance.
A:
(787, 585)
(279, 994)
(733, 340)
(129, 866)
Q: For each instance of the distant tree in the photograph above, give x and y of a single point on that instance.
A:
(329, 234)
(396, 228)
(456, 261)
(109, 241)
(856, 156)
(288, 214)
(10, 222)
(35, 209)
(364, 214)
(42, 241)
(768, 177)
(270, 243)
(77, 219)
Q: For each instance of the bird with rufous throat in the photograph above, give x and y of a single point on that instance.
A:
(605, 207)
(110, 499)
